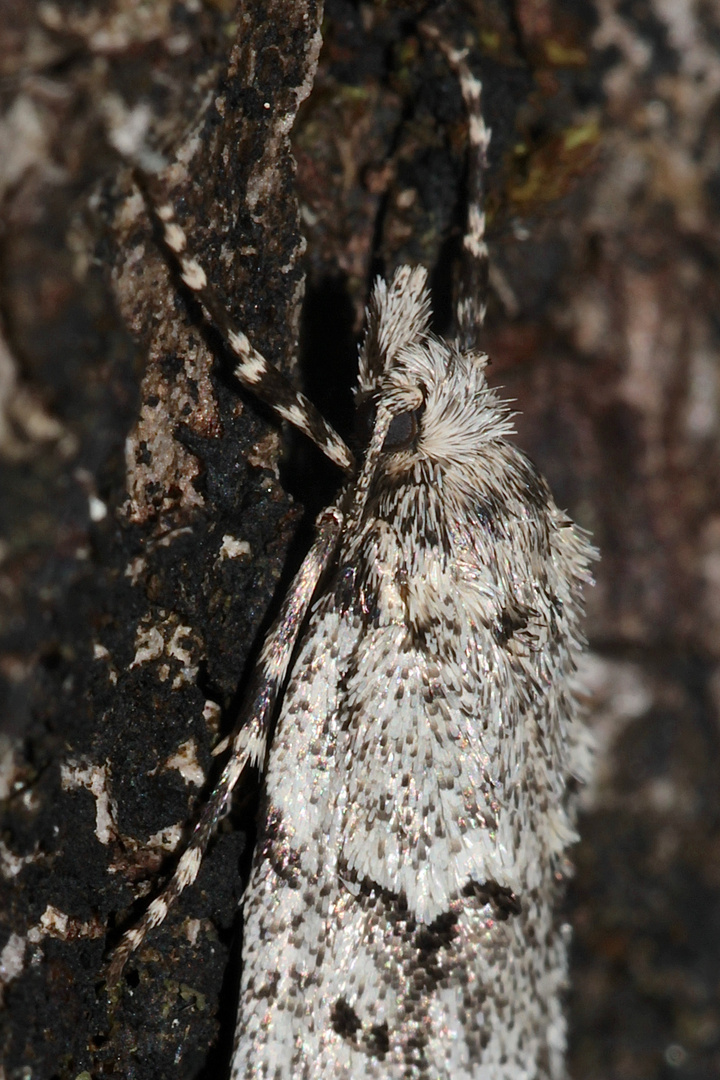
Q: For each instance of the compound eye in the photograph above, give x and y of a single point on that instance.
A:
(365, 420)
(403, 430)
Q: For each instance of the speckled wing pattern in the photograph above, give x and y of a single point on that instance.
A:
(400, 915)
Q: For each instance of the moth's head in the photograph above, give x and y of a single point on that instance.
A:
(443, 411)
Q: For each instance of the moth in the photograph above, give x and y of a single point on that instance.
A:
(400, 917)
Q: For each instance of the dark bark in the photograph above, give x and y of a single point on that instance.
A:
(128, 635)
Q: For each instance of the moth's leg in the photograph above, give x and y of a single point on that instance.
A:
(252, 369)
(472, 280)
(249, 742)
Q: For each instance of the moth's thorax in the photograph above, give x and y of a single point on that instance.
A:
(434, 547)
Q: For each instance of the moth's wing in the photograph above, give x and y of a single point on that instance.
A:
(383, 935)
(475, 994)
(294, 885)
(419, 818)
(426, 945)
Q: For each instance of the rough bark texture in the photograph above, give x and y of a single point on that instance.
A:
(145, 528)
